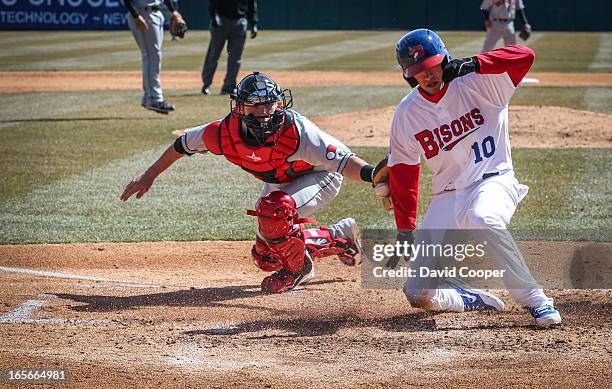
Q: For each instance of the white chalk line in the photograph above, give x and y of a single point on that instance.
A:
(43, 273)
(24, 314)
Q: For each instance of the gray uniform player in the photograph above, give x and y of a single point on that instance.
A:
(499, 18)
(147, 26)
(302, 169)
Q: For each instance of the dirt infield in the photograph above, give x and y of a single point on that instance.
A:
(131, 80)
(192, 315)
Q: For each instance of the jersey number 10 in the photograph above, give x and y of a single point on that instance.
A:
(488, 148)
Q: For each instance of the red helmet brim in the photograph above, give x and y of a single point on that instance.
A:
(427, 64)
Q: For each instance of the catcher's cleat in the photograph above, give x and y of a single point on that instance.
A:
(160, 107)
(284, 280)
(545, 315)
(351, 246)
(479, 300)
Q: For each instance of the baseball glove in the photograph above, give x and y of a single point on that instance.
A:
(380, 182)
(525, 33)
(178, 27)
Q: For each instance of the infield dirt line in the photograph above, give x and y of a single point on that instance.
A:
(13, 82)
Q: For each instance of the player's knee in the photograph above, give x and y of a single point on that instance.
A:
(276, 214)
(480, 220)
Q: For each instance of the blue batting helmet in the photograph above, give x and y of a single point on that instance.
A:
(420, 50)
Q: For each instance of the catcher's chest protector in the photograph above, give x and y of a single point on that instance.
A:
(269, 164)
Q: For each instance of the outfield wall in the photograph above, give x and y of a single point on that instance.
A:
(544, 15)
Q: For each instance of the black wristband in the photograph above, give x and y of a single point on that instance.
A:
(366, 173)
(178, 147)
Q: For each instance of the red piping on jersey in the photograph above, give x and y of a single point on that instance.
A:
(404, 185)
(434, 98)
(514, 59)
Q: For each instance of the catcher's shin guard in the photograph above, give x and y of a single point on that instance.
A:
(281, 228)
(263, 257)
(320, 243)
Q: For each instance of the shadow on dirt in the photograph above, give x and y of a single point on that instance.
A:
(197, 297)
(412, 322)
(200, 297)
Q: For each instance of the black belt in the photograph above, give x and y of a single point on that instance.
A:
(152, 8)
(489, 175)
(502, 20)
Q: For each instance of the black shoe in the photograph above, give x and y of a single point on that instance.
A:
(160, 107)
(206, 90)
(225, 91)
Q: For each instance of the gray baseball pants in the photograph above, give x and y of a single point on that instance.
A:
(234, 32)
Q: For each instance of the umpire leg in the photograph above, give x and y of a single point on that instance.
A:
(217, 42)
(235, 46)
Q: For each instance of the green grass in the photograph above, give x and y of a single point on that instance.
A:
(596, 99)
(275, 50)
(566, 52)
(188, 202)
(65, 157)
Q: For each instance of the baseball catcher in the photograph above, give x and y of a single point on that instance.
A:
(302, 169)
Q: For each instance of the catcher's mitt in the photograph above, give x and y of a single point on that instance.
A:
(178, 27)
(380, 182)
(525, 33)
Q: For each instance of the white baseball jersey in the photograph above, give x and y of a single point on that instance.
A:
(462, 137)
(505, 9)
(316, 147)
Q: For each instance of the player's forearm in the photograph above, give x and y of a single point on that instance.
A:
(404, 186)
(521, 14)
(163, 162)
(514, 59)
(353, 169)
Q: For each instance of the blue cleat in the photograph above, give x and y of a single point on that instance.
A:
(545, 315)
(479, 300)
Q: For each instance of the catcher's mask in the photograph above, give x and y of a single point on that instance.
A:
(420, 50)
(259, 89)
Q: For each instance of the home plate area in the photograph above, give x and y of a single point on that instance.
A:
(192, 314)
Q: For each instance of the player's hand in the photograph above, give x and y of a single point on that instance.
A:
(380, 183)
(459, 68)
(141, 23)
(253, 31)
(403, 237)
(176, 15)
(139, 185)
(488, 24)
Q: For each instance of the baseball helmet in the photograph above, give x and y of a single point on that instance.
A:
(420, 50)
(255, 89)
